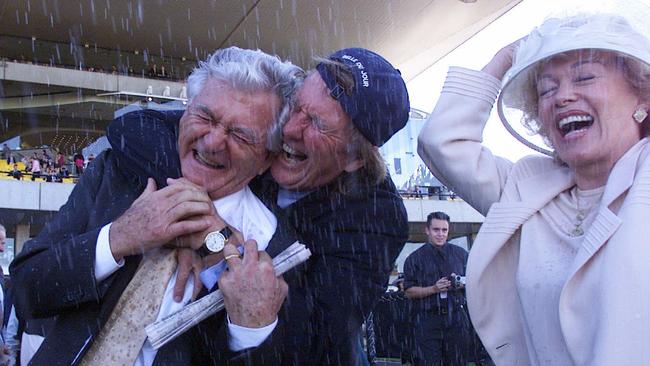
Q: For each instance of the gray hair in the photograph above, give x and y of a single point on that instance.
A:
(249, 70)
(3, 229)
(358, 147)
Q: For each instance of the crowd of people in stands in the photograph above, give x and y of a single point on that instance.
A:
(44, 166)
(154, 71)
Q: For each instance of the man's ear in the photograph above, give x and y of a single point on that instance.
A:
(353, 165)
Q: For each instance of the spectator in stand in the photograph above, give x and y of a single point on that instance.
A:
(6, 153)
(153, 71)
(26, 162)
(60, 160)
(56, 176)
(64, 172)
(78, 163)
(46, 157)
(49, 174)
(16, 173)
(35, 169)
(91, 157)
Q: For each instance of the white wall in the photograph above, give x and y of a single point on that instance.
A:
(38, 196)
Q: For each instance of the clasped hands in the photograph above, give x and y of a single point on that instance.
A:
(181, 215)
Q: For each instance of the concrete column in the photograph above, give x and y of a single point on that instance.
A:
(22, 235)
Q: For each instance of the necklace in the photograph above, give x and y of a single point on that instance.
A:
(580, 218)
(591, 196)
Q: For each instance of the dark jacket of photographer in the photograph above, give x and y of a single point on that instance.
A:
(425, 266)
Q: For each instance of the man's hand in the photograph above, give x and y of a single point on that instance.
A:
(253, 295)
(195, 240)
(158, 217)
(188, 263)
(443, 284)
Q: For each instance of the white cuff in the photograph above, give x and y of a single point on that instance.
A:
(241, 337)
(472, 83)
(105, 264)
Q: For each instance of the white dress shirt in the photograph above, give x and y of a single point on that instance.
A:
(241, 210)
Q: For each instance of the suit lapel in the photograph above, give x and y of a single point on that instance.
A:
(633, 165)
(267, 191)
(74, 330)
(505, 218)
(493, 264)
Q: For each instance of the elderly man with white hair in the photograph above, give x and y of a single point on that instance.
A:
(105, 265)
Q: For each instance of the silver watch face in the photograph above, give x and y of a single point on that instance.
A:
(215, 241)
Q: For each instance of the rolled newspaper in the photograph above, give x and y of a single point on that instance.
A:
(167, 329)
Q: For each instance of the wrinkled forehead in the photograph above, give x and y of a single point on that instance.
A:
(313, 84)
(258, 107)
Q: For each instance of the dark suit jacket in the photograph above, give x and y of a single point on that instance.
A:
(54, 273)
(354, 237)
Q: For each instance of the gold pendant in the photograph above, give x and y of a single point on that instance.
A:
(577, 231)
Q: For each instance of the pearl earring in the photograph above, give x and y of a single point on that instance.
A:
(640, 115)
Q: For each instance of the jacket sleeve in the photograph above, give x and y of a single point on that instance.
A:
(210, 340)
(55, 270)
(410, 271)
(144, 142)
(451, 141)
(354, 248)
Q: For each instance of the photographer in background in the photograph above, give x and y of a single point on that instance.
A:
(434, 281)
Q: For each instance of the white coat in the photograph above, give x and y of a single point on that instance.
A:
(604, 305)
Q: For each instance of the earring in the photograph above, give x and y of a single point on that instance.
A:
(640, 115)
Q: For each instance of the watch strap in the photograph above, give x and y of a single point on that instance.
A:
(203, 251)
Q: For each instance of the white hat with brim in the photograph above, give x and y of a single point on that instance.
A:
(607, 32)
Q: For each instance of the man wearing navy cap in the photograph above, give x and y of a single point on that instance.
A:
(329, 189)
(335, 193)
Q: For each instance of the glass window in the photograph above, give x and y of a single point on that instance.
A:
(398, 165)
(7, 256)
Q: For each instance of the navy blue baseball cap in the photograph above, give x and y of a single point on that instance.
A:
(378, 105)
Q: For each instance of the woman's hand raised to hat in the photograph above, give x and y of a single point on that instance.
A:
(502, 60)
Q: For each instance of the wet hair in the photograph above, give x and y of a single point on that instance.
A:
(249, 71)
(635, 72)
(438, 215)
(358, 146)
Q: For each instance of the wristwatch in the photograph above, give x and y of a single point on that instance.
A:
(214, 242)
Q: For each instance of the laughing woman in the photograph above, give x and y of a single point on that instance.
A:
(558, 274)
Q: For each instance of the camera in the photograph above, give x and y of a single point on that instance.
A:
(457, 281)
